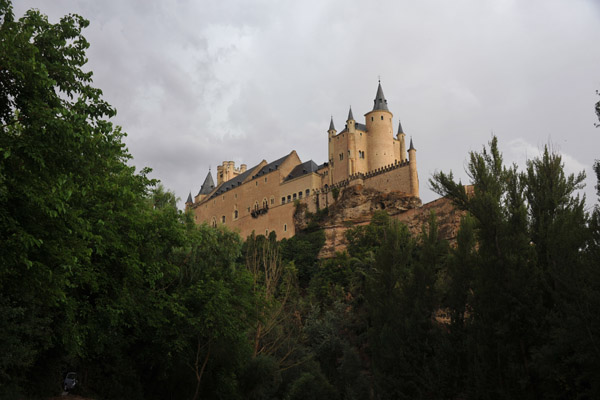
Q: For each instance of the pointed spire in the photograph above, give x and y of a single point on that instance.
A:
(380, 103)
(331, 127)
(189, 199)
(350, 116)
(400, 127)
(208, 184)
(411, 145)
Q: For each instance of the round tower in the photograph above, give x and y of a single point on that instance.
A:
(331, 133)
(412, 168)
(401, 138)
(380, 135)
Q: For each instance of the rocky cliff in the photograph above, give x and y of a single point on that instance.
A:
(356, 205)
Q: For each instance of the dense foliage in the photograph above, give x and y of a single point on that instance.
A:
(102, 275)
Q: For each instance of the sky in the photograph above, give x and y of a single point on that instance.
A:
(198, 82)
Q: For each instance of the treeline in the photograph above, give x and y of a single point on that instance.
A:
(102, 275)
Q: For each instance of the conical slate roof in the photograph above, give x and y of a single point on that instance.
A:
(189, 199)
(380, 101)
(208, 185)
(400, 127)
(350, 116)
(331, 127)
(411, 146)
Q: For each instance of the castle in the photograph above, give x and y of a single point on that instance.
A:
(261, 198)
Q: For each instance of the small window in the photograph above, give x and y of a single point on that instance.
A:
(382, 117)
(235, 214)
(294, 196)
(272, 200)
(266, 232)
(307, 192)
(283, 200)
(341, 156)
(371, 118)
(265, 178)
(223, 219)
(256, 183)
(289, 198)
(299, 195)
(348, 153)
(285, 227)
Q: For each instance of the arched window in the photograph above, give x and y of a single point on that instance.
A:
(283, 200)
(289, 198)
(307, 192)
(223, 219)
(213, 222)
(235, 214)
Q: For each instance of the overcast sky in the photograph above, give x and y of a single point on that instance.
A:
(197, 82)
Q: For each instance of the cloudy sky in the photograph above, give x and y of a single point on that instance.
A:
(197, 82)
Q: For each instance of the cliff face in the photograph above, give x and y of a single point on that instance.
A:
(356, 205)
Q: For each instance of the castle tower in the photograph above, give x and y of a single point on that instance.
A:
(380, 136)
(352, 155)
(331, 133)
(401, 138)
(189, 201)
(206, 187)
(412, 168)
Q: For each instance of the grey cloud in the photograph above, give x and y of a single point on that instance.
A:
(196, 83)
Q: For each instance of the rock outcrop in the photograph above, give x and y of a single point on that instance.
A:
(356, 206)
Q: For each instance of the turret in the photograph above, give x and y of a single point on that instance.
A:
(401, 138)
(331, 133)
(206, 188)
(412, 168)
(189, 201)
(380, 136)
(350, 122)
(331, 129)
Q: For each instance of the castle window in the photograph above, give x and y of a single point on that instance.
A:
(266, 232)
(341, 156)
(307, 192)
(371, 118)
(283, 200)
(299, 195)
(235, 214)
(289, 198)
(223, 219)
(294, 196)
(256, 183)
(265, 178)
(213, 222)
(272, 200)
(285, 227)
(382, 117)
(248, 209)
(348, 153)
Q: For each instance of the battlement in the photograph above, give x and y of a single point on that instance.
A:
(227, 171)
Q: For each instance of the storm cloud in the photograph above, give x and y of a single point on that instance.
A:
(199, 82)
